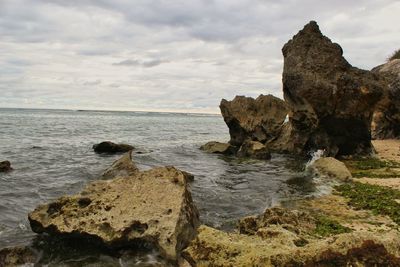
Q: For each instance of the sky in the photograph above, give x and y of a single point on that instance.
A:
(175, 55)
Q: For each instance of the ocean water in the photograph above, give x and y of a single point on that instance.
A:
(51, 152)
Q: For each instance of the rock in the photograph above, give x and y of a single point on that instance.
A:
(362, 248)
(331, 103)
(219, 148)
(386, 118)
(111, 148)
(254, 149)
(5, 166)
(293, 220)
(331, 168)
(17, 256)
(257, 119)
(122, 167)
(153, 206)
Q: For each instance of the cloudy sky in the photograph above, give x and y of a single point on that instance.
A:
(171, 55)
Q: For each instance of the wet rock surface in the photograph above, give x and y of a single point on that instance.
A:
(219, 148)
(17, 256)
(257, 119)
(111, 148)
(386, 118)
(5, 166)
(151, 207)
(331, 102)
(253, 149)
(122, 167)
(330, 168)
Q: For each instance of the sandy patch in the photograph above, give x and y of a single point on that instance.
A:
(388, 149)
(388, 182)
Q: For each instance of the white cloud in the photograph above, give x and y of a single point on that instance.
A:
(170, 55)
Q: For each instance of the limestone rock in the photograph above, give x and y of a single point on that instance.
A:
(332, 168)
(5, 166)
(386, 118)
(254, 149)
(331, 103)
(219, 148)
(17, 256)
(255, 119)
(362, 248)
(153, 206)
(122, 167)
(293, 220)
(111, 148)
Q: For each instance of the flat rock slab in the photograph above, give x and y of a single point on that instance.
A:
(153, 206)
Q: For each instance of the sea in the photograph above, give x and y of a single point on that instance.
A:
(51, 153)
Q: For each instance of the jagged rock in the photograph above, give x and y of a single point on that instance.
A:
(122, 167)
(153, 206)
(253, 149)
(255, 119)
(111, 148)
(5, 166)
(361, 248)
(219, 148)
(331, 168)
(17, 256)
(331, 103)
(386, 118)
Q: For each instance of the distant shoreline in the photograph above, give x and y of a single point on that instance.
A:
(117, 111)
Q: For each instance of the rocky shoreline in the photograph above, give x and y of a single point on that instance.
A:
(328, 106)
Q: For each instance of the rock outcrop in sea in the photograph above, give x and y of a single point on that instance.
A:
(122, 167)
(257, 119)
(386, 118)
(150, 207)
(331, 103)
(5, 166)
(111, 148)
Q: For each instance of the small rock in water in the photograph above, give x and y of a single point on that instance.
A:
(330, 167)
(219, 148)
(111, 148)
(121, 167)
(17, 256)
(254, 149)
(5, 166)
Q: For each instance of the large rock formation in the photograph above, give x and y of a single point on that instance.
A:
(331, 102)
(386, 118)
(111, 148)
(153, 206)
(257, 119)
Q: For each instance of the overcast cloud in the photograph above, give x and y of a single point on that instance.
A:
(182, 55)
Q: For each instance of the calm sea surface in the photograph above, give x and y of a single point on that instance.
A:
(51, 152)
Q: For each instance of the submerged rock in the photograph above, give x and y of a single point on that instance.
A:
(253, 149)
(5, 166)
(219, 148)
(17, 256)
(332, 168)
(122, 167)
(386, 118)
(331, 103)
(153, 206)
(255, 119)
(111, 148)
